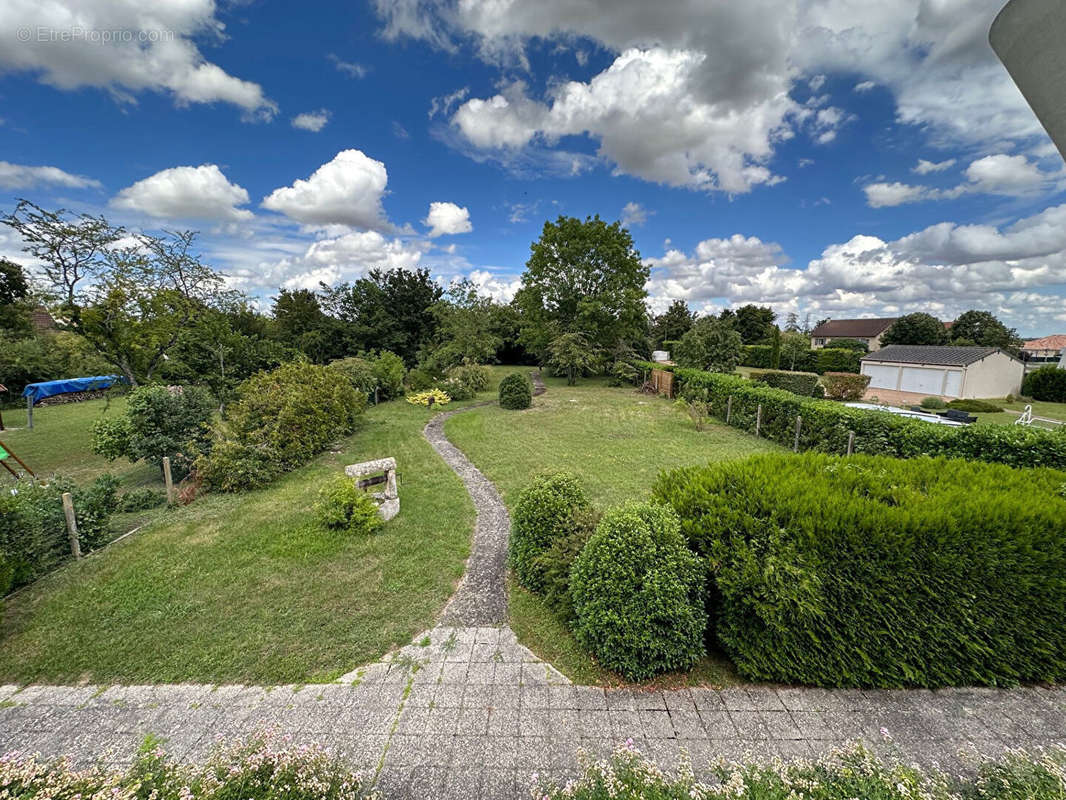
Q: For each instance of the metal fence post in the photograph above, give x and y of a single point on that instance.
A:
(799, 426)
(851, 442)
(168, 479)
(758, 419)
(72, 524)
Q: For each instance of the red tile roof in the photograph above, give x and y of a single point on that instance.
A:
(1047, 343)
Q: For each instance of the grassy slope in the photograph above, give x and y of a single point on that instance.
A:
(617, 441)
(244, 588)
(1040, 409)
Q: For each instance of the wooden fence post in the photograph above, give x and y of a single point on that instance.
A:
(758, 419)
(799, 426)
(29, 413)
(728, 409)
(72, 524)
(168, 479)
(851, 442)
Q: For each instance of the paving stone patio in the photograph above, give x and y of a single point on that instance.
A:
(465, 711)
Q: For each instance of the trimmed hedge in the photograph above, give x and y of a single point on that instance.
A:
(516, 392)
(1047, 384)
(826, 425)
(826, 359)
(548, 509)
(638, 593)
(873, 571)
(804, 384)
(975, 406)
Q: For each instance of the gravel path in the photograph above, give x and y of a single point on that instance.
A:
(467, 712)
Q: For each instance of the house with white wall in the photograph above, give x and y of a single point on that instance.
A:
(970, 372)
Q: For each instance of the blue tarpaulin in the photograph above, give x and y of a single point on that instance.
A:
(38, 391)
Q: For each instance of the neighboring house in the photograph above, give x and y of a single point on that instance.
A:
(867, 331)
(42, 321)
(1041, 352)
(969, 372)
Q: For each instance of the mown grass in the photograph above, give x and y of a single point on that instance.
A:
(617, 441)
(1056, 411)
(246, 588)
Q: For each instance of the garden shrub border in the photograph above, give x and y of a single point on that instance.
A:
(826, 425)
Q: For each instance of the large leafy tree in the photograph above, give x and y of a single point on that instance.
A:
(300, 322)
(586, 277)
(917, 328)
(754, 323)
(673, 323)
(14, 292)
(387, 310)
(129, 296)
(467, 328)
(794, 346)
(572, 355)
(712, 344)
(983, 328)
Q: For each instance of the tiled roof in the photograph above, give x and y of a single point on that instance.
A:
(923, 354)
(862, 328)
(1047, 343)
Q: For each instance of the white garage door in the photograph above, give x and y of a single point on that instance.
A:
(954, 387)
(922, 380)
(881, 377)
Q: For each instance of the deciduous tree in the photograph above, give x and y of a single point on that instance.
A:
(917, 328)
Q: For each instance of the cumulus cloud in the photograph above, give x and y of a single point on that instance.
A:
(126, 48)
(350, 68)
(186, 193)
(447, 218)
(501, 288)
(23, 176)
(634, 214)
(313, 121)
(997, 174)
(926, 167)
(345, 191)
(698, 93)
(1017, 270)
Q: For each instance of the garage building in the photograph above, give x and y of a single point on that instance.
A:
(969, 372)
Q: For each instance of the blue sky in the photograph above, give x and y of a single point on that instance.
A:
(831, 157)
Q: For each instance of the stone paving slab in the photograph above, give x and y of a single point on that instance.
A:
(465, 711)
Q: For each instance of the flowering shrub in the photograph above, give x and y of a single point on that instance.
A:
(260, 769)
(430, 397)
(853, 772)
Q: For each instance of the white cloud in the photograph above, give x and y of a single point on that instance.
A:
(349, 68)
(313, 121)
(444, 104)
(500, 288)
(997, 174)
(886, 195)
(345, 191)
(1018, 271)
(186, 193)
(864, 86)
(633, 214)
(447, 218)
(23, 176)
(125, 48)
(926, 167)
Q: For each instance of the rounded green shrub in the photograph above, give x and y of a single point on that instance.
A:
(419, 380)
(975, 406)
(456, 389)
(638, 593)
(141, 500)
(880, 572)
(516, 392)
(1047, 384)
(933, 403)
(546, 510)
(475, 376)
(554, 564)
(343, 506)
(359, 371)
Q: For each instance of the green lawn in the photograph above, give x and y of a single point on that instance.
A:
(1040, 409)
(617, 441)
(245, 588)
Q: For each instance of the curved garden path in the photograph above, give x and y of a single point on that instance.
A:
(467, 712)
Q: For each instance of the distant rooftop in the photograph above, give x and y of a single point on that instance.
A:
(847, 328)
(1057, 342)
(931, 354)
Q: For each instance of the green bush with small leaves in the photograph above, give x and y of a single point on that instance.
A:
(804, 384)
(1047, 384)
(280, 420)
(554, 564)
(419, 380)
(975, 406)
(141, 500)
(456, 389)
(343, 506)
(389, 371)
(516, 392)
(844, 385)
(880, 572)
(548, 509)
(933, 403)
(475, 376)
(638, 593)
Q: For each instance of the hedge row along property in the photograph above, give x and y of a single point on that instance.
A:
(826, 426)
